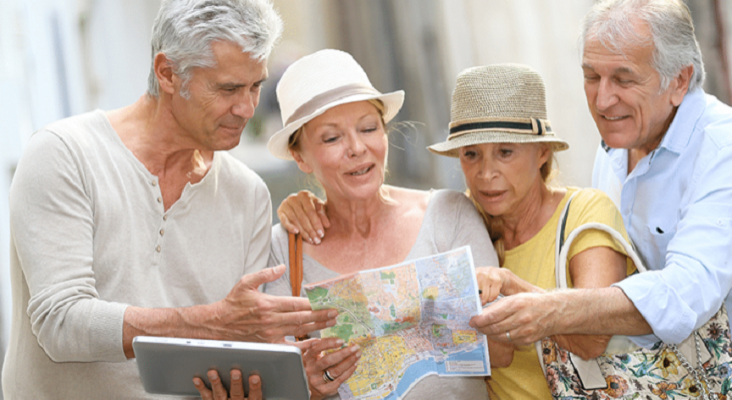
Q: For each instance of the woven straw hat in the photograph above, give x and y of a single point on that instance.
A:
(318, 82)
(503, 103)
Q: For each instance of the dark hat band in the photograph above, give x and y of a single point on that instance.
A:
(533, 126)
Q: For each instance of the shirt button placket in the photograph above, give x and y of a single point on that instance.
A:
(159, 199)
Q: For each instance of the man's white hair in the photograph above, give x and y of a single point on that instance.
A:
(613, 23)
(185, 29)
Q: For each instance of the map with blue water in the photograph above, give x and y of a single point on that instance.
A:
(410, 320)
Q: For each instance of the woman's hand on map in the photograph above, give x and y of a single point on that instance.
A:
(500, 281)
(236, 392)
(339, 365)
(304, 213)
(491, 282)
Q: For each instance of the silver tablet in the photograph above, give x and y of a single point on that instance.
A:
(168, 365)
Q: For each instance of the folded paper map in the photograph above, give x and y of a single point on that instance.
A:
(410, 320)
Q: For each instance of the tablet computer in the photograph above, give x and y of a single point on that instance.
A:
(168, 365)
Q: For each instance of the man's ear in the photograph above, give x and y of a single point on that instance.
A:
(680, 85)
(163, 68)
(304, 166)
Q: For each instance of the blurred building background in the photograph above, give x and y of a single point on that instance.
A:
(64, 57)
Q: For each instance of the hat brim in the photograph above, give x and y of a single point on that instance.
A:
(450, 148)
(278, 143)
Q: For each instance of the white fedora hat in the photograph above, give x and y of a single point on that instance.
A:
(318, 82)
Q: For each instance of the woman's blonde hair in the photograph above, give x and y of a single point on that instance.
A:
(495, 225)
(293, 143)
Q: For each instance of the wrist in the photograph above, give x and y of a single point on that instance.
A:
(201, 321)
(566, 314)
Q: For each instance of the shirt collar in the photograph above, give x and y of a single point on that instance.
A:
(679, 132)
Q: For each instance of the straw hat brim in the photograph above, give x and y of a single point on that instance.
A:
(450, 148)
(277, 144)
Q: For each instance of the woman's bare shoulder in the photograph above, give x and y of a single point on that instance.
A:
(410, 198)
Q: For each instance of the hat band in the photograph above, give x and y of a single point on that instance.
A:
(329, 96)
(532, 126)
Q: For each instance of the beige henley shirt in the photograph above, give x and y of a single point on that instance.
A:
(89, 236)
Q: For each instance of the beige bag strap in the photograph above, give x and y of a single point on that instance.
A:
(588, 370)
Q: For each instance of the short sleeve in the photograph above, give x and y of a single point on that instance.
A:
(592, 205)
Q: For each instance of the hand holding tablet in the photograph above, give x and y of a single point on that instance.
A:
(236, 390)
(169, 366)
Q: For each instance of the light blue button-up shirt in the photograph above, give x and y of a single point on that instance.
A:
(677, 208)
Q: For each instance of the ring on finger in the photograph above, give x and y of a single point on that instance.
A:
(327, 377)
(508, 336)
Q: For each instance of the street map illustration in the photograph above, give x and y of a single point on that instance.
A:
(410, 320)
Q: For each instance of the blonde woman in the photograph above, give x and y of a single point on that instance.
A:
(334, 128)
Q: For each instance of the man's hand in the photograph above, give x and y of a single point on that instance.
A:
(245, 314)
(236, 392)
(527, 317)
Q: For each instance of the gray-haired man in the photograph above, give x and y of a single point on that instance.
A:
(666, 160)
(132, 222)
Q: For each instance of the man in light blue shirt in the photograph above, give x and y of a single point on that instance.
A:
(677, 207)
(666, 161)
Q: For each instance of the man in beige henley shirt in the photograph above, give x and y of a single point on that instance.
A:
(134, 222)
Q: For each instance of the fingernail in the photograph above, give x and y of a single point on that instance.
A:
(339, 342)
(355, 348)
(358, 355)
(296, 231)
(255, 380)
(317, 240)
(321, 233)
(310, 240)
(196, 382)
(235, 375)
(332, 314)
(331, 323)
(212, 376)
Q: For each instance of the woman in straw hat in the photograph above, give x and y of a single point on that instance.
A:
(505, 143)
(334, 128)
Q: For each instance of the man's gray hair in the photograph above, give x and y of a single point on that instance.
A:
(185, 29)
(613, 23)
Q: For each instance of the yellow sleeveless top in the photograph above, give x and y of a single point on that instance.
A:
(533, 262)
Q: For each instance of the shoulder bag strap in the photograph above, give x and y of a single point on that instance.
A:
(295, 244)
(296, 270)
(561, 226)
(588, 370)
